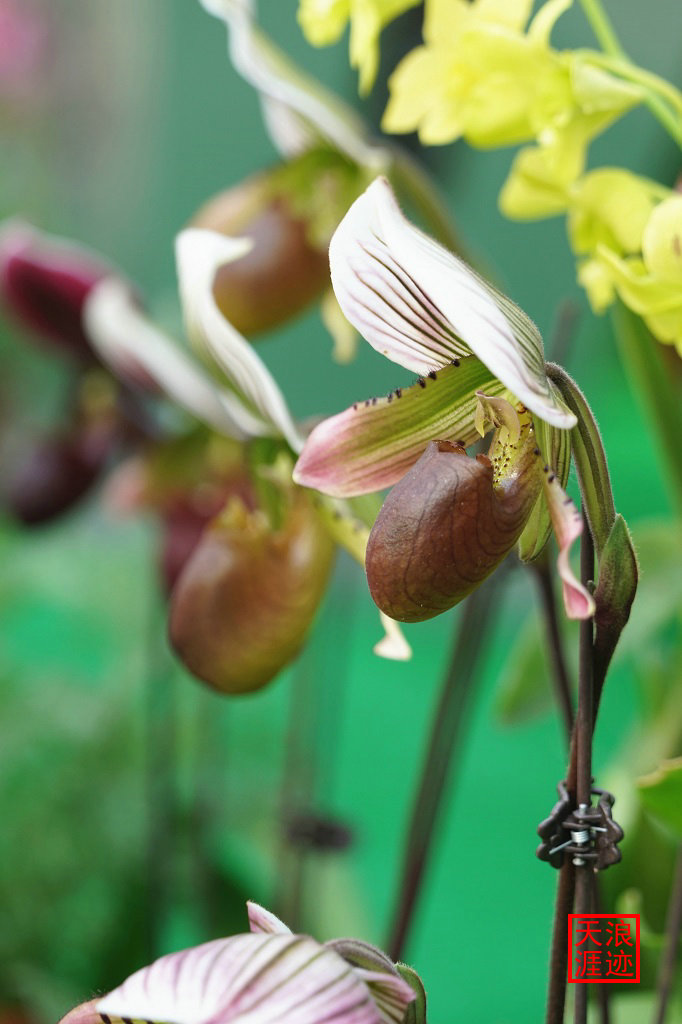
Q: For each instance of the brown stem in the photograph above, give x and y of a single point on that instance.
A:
(560, 676)
(558, 964)
(583, 745)
(575, 884)
(455, 700)
(673, 929)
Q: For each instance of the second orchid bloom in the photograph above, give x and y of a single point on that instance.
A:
(451, 519)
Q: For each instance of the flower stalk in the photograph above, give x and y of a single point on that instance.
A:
(658, 93)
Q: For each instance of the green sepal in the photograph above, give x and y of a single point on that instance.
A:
(590, 459)
(416, 1011)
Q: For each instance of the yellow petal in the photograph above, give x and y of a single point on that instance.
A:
(323, 21)
(662, 241)
(531, 190)
(610, 206)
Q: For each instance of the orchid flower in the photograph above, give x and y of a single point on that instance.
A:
(481, 363)
(264, 976)
(231, 390)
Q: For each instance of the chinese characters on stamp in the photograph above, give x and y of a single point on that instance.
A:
(603, 948)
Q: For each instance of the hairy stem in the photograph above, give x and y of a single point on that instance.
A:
(455, 699)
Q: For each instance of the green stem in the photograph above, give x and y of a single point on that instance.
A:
(662, 98)
(610, 44)
(455, 700)
(601, 26)
(655, 388)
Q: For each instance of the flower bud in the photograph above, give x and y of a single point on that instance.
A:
(243, 604)
(44, 283)
(449, 523)
(282, 274)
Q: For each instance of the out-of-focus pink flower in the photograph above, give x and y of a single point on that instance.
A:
(23, 43)
(44, 282)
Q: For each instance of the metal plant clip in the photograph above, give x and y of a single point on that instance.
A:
(588, 835)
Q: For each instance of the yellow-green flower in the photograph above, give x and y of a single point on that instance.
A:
(323, 22)
(476, 75)
(482, 76)
(650, 283)
(540, 183)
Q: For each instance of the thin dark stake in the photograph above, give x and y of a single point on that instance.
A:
(583, 734)
(673, 929)
(560, 676)
(459, 686)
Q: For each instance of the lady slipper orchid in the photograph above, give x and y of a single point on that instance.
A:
(264, 976)
(236, 395)
(451, 520)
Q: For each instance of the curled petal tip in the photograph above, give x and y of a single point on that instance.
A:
(200, 253)
(261, 921)
(568, 526)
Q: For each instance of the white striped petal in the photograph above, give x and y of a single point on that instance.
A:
(249, 979)
(132, 346)
(199, 256)
(321, 116)
(421, 306)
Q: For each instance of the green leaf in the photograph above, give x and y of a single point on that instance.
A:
(661, 794)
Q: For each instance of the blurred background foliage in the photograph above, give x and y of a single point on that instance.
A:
(138, 809)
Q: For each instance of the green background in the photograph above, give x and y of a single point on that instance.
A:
(137, 119)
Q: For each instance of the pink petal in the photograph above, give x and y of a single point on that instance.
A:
(372, 445)
(261, 921)
(252, 979)
(568, 526)
(391, 993)
(85, 1013)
